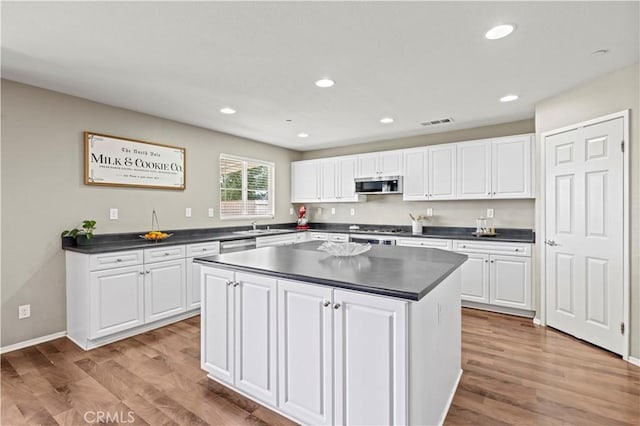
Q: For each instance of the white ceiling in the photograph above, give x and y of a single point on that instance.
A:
(414, 61)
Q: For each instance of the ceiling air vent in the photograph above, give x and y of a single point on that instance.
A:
(433, 122)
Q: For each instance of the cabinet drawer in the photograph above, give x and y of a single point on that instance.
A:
(339, 238)
(512, 249)
(117, 259)
(164, 253)
(318, 236)
(201, 249)
(425, 242)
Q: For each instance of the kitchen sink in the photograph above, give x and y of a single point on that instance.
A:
(261, 231)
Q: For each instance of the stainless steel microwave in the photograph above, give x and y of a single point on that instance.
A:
(379, 185)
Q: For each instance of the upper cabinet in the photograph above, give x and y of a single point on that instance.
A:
(324, 180)
(495, 168)
(430, 173)
(384, 163)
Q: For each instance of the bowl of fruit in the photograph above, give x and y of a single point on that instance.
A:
(155, 236)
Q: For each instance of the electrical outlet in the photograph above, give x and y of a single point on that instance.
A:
(210, 211)
(113, 214)
(439, 313)
(333, 210)
(319, 211)
(187, 212)
(24, 311)
(290, 211)
(429, 212)
(352, 212)
(489, 212)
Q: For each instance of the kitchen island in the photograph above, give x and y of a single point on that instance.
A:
(370, 339)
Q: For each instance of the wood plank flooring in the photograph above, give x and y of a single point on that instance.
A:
(514, 373)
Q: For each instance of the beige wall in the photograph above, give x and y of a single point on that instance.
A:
(390, 209)
(609, 94)
(43, 192)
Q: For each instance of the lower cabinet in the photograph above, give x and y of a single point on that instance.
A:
(280, 240)
(334, 347)
(165, 289)
(475, 278)
(510, 282)
(239, 331)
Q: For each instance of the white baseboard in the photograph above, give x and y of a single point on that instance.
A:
(452, 394)
(32, 342)
(537, 321)
(634, 361)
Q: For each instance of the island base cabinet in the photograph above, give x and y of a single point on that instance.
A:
(238, 331)
(118, 300)
(370, 359)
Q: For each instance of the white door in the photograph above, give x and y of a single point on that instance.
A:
(442, 172)
(510, 281)
(165, 289)
(328, 178)
(475, 278)
(217, 336)
(305, 375)
(370, 359)
(305, 181)
(415, 175)
(368, 165)
(255, 347)
(511, 167)
(390, 163)
(346, 187)
(474, 170)
(117, 300)
(584, 233)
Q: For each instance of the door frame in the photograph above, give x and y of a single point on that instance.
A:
(541, 316)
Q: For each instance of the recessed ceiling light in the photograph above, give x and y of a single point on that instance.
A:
(303, 135)
(500, 31)
(227, 110)
(325, 82)
(386, 120)
(509, 98)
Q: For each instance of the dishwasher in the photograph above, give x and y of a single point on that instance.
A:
(231, 246)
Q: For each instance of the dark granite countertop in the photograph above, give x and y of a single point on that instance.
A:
(104, 243)
(403, 272)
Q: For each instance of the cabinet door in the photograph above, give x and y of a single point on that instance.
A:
(370, 344)
(474, 170)
(390, 163)
(511, 167)
(415, 175)
(217, 334)
(442, 172)
(193, 284)
(475, 278)
(256, 327)
(510, 283)
(305, 181)
(165, 289)
(328, 179)
(346, 187)
(305, 347)
(117, 300)
(368, 165)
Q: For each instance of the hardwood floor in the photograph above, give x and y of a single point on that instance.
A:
(514, 373)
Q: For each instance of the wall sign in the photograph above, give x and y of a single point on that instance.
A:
(114, 161)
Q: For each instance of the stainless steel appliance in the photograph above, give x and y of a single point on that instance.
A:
(237, 245)
(379, 185)
(373, 239)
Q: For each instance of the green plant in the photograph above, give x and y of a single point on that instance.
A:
(87, 229)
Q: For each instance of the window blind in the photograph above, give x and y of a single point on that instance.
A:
(246, 187)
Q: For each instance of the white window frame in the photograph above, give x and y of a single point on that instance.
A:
(271, 188)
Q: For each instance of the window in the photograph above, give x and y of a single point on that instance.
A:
(246, 188)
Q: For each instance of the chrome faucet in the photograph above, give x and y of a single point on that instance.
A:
(253, 223)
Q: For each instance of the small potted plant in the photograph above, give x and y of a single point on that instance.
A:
(82, 236)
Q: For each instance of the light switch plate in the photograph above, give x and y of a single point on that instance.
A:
(210, 211)
(489, 212)
(333, 210)
(113, 214)
(290, 211)
(187, 212)
(429, 212)
(352, 212)
(319, 211)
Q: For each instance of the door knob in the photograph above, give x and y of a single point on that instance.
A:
(326, 303)
(550, 243)
(336, 306)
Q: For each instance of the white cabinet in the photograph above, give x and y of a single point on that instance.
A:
(193, 270)
(239, 331)
(384, 163)
(430, 173)
(305, 347)
(117, 300)
(496, 273)
(305, 181)
(425, 242)
(338, 238)
(164, 289)
(495, 168)
(317, 236)
(281, 240)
